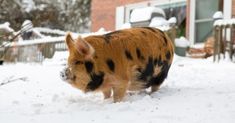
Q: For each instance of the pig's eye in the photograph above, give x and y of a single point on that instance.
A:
(79, 62)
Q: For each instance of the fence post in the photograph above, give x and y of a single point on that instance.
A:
(218, 43)
(224, 42)
(231, 43)
(215, 43)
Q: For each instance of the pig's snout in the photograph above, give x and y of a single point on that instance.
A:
(66, 74)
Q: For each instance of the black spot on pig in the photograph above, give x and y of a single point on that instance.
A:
(165, 40)
(96, 81)
(158, 79)
(168, 55)
(110, 64)
(89, 66)
(128, 55)
(147, 71)
(79, 62)
(139, 55)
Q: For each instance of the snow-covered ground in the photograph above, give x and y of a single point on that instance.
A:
(196, 91)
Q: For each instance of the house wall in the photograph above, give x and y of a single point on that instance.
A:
(233, 8)
(103, 13)
(187, 19)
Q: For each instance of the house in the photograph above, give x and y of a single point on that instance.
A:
(194, 17)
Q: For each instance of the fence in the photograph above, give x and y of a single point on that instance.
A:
(33, 50)
(224, 38)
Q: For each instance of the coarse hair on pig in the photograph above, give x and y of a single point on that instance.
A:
(129, 59)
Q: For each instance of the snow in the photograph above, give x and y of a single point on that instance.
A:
(198, 45)
(102, 30)
(144, 14)
(6, 27)
(28, 5)
(196, 91)
(59, 58)
(218, 15)
(38, 41)
(224, 22)
(181, 42)
(126, 26)
(172, 20)
(50, 31)
(163, 24)
(48, 39)
(158, 21)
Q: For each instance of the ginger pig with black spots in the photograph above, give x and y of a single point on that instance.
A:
(129, 59)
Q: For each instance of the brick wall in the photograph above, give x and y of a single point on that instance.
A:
(187, 19)
(103, 13)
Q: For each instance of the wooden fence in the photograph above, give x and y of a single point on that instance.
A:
(33, 51)
(224, 39)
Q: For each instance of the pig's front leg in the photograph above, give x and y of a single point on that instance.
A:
(120, 91)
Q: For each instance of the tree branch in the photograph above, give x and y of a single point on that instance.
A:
(11, 79)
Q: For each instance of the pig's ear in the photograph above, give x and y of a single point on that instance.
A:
(84, 48)
(70, 42)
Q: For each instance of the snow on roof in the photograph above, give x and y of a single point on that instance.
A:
(144, 14)
(224, 22)
(6, 26)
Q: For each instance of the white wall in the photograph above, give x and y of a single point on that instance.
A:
(119, 17)
(227, 9)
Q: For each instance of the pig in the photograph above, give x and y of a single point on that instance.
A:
(113, 63)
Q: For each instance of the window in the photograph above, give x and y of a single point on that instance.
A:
(203, 18)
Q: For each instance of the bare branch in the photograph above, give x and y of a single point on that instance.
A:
(12, 79)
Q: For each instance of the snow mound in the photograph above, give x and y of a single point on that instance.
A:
(181, 42)
(158, 21)
(172, 20)
(218, 15)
